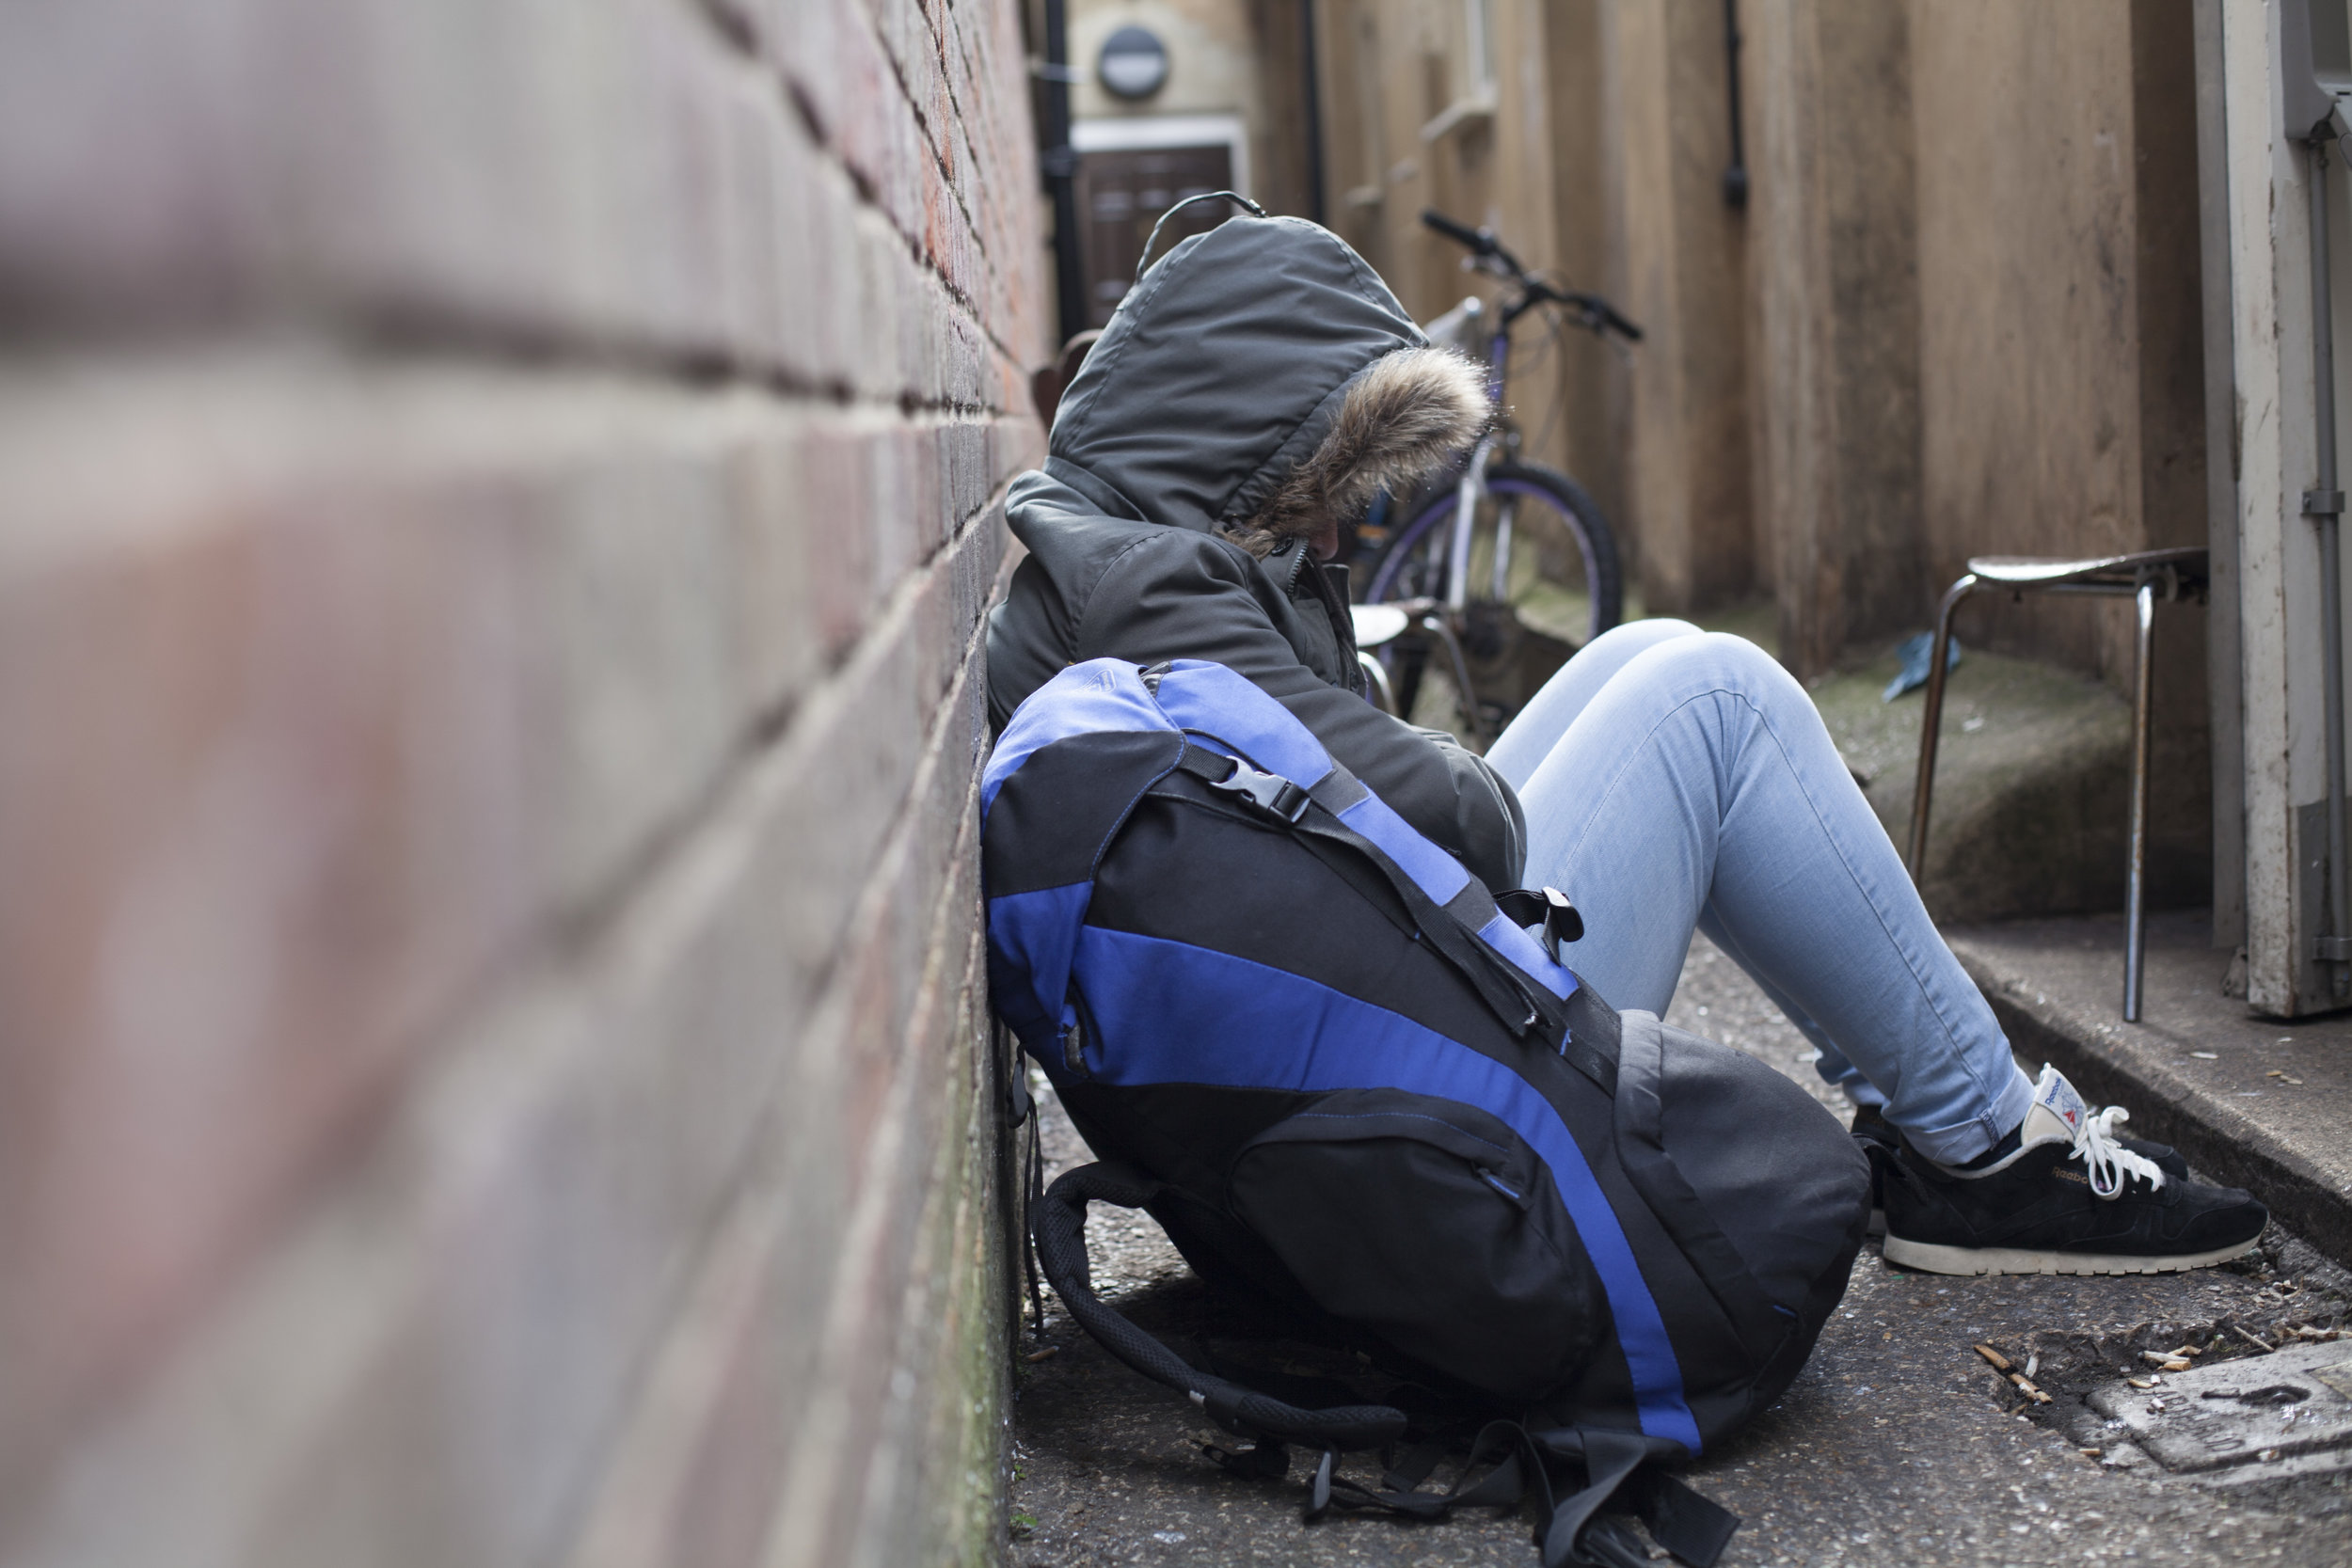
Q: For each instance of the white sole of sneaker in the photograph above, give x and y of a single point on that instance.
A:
(1978, 1261)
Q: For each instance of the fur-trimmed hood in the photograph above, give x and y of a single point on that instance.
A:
(1260, 377)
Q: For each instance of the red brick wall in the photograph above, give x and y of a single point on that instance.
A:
(497, 502)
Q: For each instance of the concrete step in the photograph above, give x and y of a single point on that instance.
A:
(2258, 1104)
(2031, 800)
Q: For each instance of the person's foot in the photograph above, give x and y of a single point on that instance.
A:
(2073, 1197)
(1882, 1141)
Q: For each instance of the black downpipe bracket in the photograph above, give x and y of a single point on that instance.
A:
(1060, 167)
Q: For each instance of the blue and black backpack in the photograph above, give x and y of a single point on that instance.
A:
(1342, 1074)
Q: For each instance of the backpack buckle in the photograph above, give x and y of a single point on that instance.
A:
(1545, 910)
(1268, 792)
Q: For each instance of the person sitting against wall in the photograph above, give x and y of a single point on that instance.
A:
(1250, 395)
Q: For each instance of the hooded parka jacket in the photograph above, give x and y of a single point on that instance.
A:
(1259, 379)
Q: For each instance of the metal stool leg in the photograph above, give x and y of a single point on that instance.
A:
(1377, 680)
(2135, 890)
(1459, 671)
(1931, 721)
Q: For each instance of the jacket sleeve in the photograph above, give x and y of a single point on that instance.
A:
(1178, 594)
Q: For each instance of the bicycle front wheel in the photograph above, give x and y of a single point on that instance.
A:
(1543, 581)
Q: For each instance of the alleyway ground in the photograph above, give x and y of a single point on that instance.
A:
(1896, 1444)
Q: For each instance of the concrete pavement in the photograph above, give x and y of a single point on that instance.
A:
(1896, 1445)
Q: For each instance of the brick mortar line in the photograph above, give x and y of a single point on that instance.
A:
(443, 333)
(365, 343)
(328, 419)
(321, 355)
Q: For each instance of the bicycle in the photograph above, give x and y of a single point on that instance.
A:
(1528, 535)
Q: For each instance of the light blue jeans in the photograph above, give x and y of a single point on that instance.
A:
(1677, 779)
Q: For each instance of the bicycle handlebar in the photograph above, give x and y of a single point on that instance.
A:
(1480, 239)
(1480, 242)
(1592, 312)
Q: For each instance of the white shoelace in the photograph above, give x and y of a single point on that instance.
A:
(2110, 1163)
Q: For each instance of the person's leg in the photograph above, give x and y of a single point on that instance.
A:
(1697, 781)
(1831, 1063)
(1537, 727)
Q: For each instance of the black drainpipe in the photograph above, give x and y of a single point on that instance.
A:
(1313, 95)
(1060, 165)
(1736, 175)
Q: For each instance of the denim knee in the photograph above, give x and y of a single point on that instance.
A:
(1647, 631)
(1720, 658)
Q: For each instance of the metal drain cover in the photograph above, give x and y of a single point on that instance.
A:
(2288, 1410)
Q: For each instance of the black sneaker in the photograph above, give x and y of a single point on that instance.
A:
(1880, 1142)
(2074, 1198)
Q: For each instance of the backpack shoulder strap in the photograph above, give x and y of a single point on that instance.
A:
(1058, 1225)
(1461, 930)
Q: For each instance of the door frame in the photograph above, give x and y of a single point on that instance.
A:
(1142, 132)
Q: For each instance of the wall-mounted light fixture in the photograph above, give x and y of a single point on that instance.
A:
(1132, 64)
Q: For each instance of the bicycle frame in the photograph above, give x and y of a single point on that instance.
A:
(1448, 610)
(1473, 486)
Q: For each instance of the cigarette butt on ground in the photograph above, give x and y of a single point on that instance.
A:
(1041, 1355)
(2001, 1363)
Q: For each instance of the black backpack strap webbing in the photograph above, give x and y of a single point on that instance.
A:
(1619, 1468)
(1058, 1225)
(1450, 933)
(1574, 1535)
(1693, 1527)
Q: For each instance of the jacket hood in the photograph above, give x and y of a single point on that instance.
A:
(1259, 378)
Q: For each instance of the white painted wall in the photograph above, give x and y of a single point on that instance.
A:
(2285, 721)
